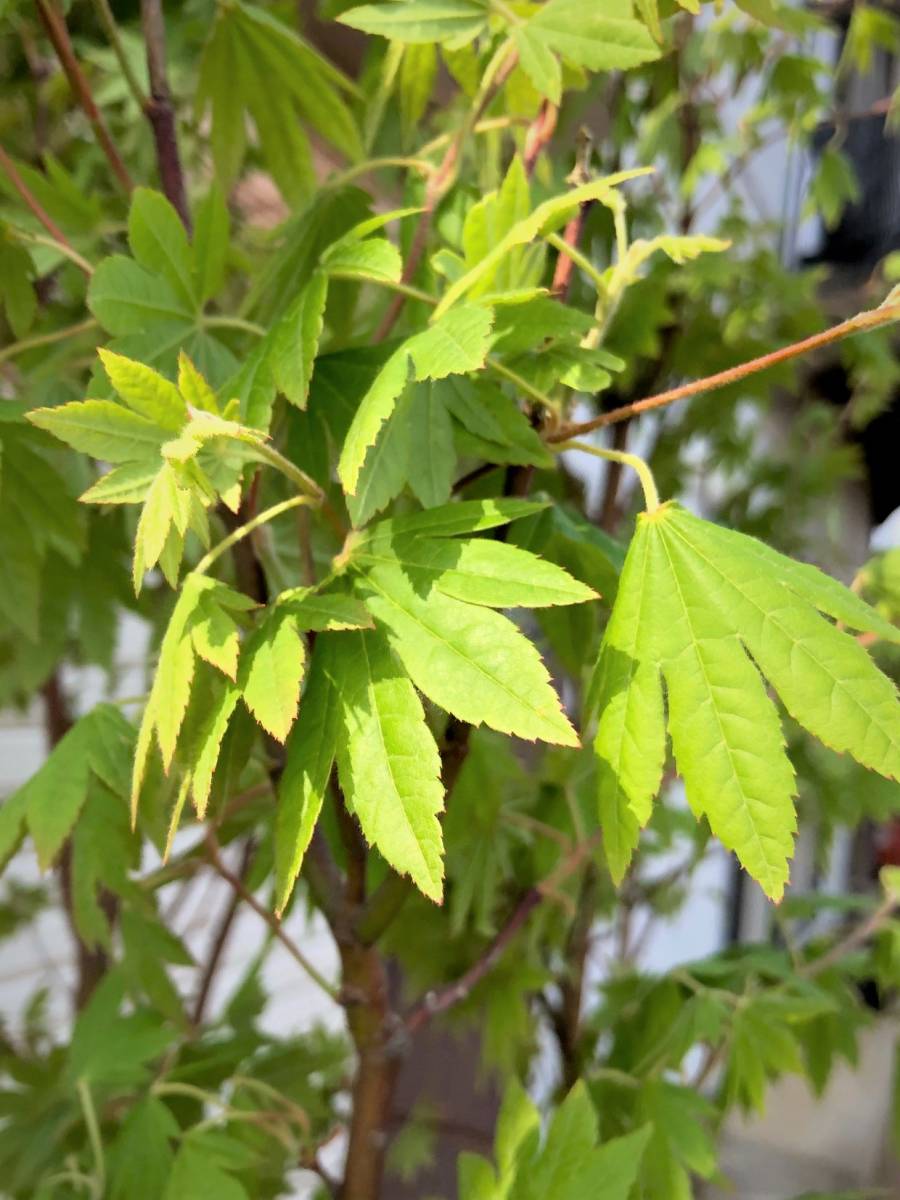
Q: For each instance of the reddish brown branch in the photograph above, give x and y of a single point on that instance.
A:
(442, 999)
(55, 26)
(160, 113)
(447, 997)
(872, 319)
(220, 938)
(538, 136)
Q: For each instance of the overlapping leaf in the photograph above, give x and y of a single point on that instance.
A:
(470, 661)
(714, 613)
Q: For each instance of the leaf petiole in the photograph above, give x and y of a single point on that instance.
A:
(651, 495)
(238, 535)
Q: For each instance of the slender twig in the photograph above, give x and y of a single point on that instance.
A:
(540, 131)
(63, 248)
(55, 25)
(496, 73)
(10, 170)
(242, 531)
(215, 858)
(856, 938)
(440, 1000)
(220, 939)
(160, 113)
(46, 339)
(872, 319)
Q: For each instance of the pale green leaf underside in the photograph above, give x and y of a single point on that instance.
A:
(470, 661)
(388, 760)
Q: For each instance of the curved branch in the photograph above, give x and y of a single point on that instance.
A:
(872, 319)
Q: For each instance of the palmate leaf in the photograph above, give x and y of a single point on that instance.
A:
(713, 614)
(254, 62)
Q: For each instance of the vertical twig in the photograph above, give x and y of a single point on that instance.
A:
(55, 25)
(221, 936)
(159, 110)
(540, 131)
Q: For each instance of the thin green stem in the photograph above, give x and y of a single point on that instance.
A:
(108, 21)
(870, 319)
(394, 285)
(577, 257)
(242, 531)
(290, 470)
(63, 248)
(522, 384)
(377, 164)
(46, 339)
(651, 495)
(93, 1131)
(224, 322)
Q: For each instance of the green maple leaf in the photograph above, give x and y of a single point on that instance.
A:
(716, 615)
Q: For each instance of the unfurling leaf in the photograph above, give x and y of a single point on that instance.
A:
(714, 614)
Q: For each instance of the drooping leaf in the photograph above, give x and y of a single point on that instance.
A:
(388, 760)
(695, 600)
(309, 755)
(295, 340)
